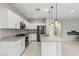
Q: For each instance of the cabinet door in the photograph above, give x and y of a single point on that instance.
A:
(3, 18)
(12, 19)
(58, 48)
(27, 24)
(17, 22)
(51, 48)
(48, 48)
(20, 46)
(3, 49)
(32, 37)
(23, 44)
(7, 48)
(21, 19)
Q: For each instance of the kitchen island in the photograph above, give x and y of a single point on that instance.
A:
(51, 46)
(56, 46)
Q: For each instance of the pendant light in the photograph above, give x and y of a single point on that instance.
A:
(56, 22)
(51, 16)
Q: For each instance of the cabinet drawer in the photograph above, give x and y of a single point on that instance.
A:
(20, 46)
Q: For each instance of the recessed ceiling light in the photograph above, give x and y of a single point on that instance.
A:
(46, 10)
(37, 9)
(72, 11)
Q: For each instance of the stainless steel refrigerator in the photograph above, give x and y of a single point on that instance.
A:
(41, 30)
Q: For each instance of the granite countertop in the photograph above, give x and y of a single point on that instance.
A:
(52, 39)
(12, 38)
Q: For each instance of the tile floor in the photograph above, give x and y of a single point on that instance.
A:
(69, 48)
(32, 50)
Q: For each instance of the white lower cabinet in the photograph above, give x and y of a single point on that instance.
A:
(12, 48)
(51, 48)
(32, 37)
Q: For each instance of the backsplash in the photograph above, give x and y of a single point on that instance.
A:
(10, 32)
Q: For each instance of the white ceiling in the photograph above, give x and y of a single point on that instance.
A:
(65, 10)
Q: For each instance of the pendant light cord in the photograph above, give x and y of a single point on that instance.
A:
(51, 13)
(56, 11)
(49, 16)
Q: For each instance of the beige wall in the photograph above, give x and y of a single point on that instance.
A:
(67, 26)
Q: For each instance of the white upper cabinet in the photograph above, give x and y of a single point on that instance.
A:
(9, 19)
(27, 24)
(12, 20)
(3, 18)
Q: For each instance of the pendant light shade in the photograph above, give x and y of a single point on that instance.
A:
(52, 21)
